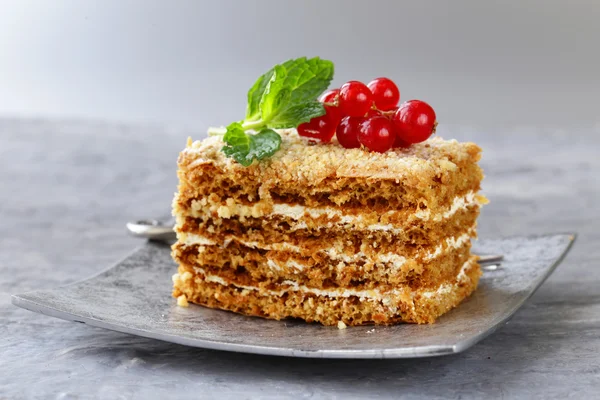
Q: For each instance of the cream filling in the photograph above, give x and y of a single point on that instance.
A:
(290, 264)
(391, 298)
(451, 242)
(396, 261)
(190, 239)
(298, 212)
(459, 203)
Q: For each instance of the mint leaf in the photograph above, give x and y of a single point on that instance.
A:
(245, 148)
(263, 144)
(235, 136)
(307, 79)
(255, 95)
(276, 93)
(283, 97)
(296, 115)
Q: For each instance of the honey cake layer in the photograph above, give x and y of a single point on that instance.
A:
(338, 250)
(277, 230)
(424, 268)
(296, 216)
(425, 175)
(352, 307)
(250, 265)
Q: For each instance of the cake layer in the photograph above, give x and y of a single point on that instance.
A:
(297, 216)
(353, 307)
(279, 230)
(426, 175)
(335, 251)
(425, 268)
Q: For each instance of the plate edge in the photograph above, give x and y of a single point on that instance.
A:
(433, 351)
(468, 343)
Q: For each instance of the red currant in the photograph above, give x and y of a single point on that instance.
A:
(377, 134)
(385, 93)
(320, 128)
(399, 143)
(331, 100)
(355, 99)
(414, 121)
(347, 132)
(330, 96)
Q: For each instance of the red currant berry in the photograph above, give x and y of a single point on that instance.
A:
(377, 134)
(414, 121)
(330, 96)
(347, 132)
(355, 99)
(399, 143)
(385, 93)
(320, 128)
(331, 100)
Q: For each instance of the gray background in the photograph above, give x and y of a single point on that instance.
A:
(520, 78)
(189, 63)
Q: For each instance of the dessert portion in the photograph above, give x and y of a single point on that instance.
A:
(284, 222)
(329, 234)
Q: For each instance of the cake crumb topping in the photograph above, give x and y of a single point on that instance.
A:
(304, 164)
(182, 301)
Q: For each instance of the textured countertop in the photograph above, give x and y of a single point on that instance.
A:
(67, 188)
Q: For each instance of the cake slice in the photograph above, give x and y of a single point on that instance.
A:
(328, 234)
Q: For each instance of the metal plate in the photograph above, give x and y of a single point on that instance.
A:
(134, 297)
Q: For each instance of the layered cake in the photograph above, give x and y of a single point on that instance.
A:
(329, 234)
(276, 218)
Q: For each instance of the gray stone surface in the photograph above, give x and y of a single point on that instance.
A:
(66, 188)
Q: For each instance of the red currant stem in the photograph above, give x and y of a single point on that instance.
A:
(435, 124)
(386, 113)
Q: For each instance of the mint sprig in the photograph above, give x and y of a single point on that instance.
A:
(284, 97)
(244, 148)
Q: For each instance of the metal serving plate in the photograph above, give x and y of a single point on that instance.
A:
(134, 297)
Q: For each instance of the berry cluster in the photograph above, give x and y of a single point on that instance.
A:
(369, 115)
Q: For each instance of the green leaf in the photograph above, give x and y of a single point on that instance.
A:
(263, 144)
(235, 135)
(245, 148)
(255, 95)
(296, 115)
(307, 79)
(284, 97)
(276, 93)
